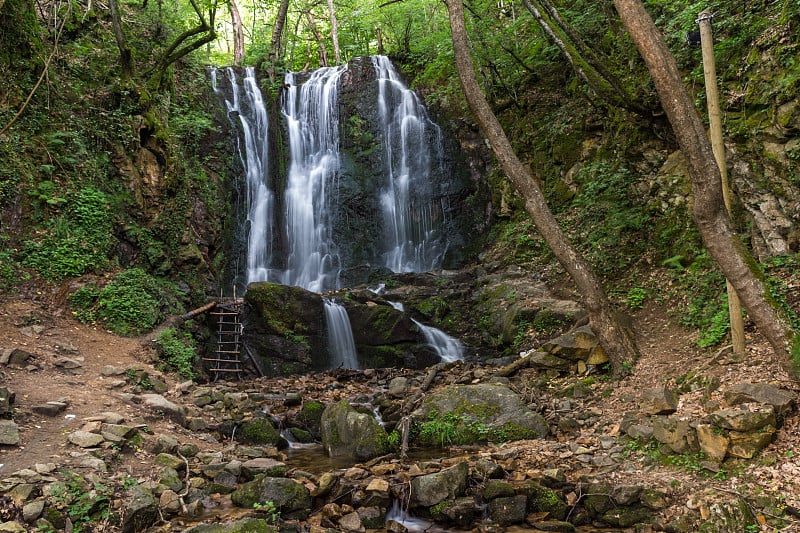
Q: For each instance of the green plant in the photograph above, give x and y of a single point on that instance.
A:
(439, 429)
(77, 240)
(84, 501)
(178, 349)
(139, 378)
(270, 509)
(635, 298)
(134, 302)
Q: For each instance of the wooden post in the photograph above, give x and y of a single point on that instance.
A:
(718, 146)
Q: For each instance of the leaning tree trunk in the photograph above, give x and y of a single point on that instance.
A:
(238, 33)
(709, 210)
(614, 337)
(275, 42)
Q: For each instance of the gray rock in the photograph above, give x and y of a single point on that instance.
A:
(676, 433)
(460, 512)
(6, 400)
(95, 463)
(351, 522)
(165, 444)
(69, 365)
(139, 510)
(548, 360)
(747, 418)
(489, 469)
(110, 370)
(495, 406)
(290, 497)
(170, 502)
(263, 465)
(32, 510)
(398, 387)
(161, 405)
(659, 401)
(782, 400)
(15, 357)
(169, 477)
(9, 433)
(245, 525)
(49, 408)
(84, 439)
(553, 525)
(507, 511)
(431, 489)
(349, 433)
(12, 527)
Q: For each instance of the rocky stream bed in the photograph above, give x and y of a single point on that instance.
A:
(114, 445)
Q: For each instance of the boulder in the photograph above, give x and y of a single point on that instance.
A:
(460, 512)
(507, 511)
(493, 407)
(139, 510)
(84, 439)
(713, 443)
(283, 328)
(430, 489)
(260, 431)
(291, 498)
(347, 432)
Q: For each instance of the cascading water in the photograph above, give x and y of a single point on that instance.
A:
(445, 346)
(341, 346)
(248, 114)
(411, 143)
(311, 114)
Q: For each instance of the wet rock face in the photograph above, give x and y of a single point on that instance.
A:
(347, 432)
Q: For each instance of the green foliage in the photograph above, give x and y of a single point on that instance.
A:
(717, 329)
(610, 221)
(134, 302)
(178, 348)
(85, 502)
(270, 509)
(635, 298)
(77, 240)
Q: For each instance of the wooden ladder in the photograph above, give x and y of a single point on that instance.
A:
(226, 362)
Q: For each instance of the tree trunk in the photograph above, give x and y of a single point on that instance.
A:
(614, 337)
(277, 33)
(334, 33)
(323, 51)
(124, 53)
(238, 33)
(709, 210)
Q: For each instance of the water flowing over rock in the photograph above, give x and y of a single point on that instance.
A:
(371, 181)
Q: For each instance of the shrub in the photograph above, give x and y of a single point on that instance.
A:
(178, 350)
(133, 303)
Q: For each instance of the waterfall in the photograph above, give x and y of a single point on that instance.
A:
(341, 346)
(248, 115)
(311, 113)
(411, 220)
(445, 346)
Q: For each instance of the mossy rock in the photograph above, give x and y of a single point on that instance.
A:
(544, 500)
(291, 498)
(310, 416)
(260, 431)
(346, 432)
(245, 525)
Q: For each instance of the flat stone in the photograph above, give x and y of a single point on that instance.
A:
(15, 357)
(84, 439)
(746, 418)
(49, 408)
(111, 370)
(69, 365)
(782, 400)
(747, 445)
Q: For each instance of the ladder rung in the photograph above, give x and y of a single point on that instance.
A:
(237, 352)
(225, 370)
(218, 360)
